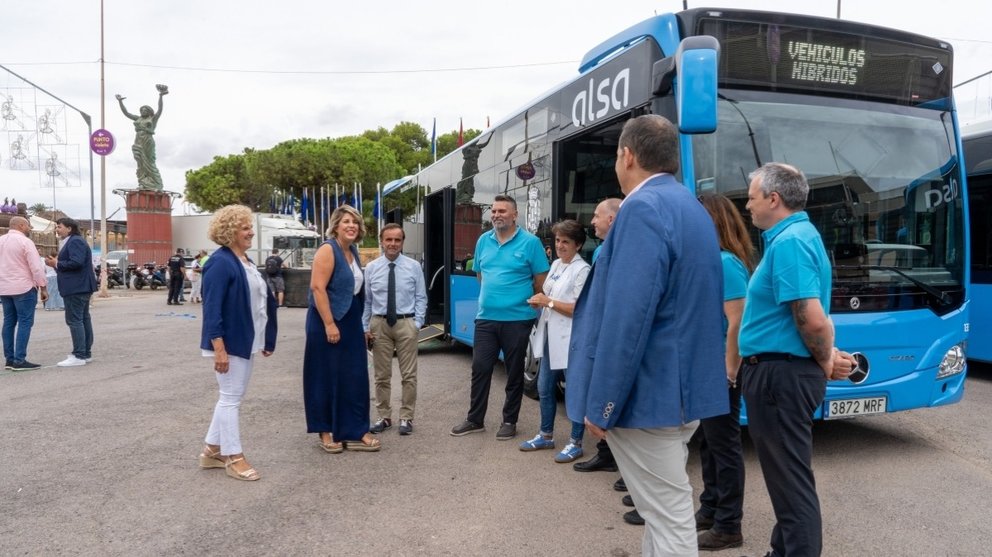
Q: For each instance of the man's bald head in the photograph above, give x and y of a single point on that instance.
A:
(602, 217)
(20, 224)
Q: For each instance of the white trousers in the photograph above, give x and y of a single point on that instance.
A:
(224, 429)
(652, 462)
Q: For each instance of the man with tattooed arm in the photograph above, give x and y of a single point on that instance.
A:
(787, 343)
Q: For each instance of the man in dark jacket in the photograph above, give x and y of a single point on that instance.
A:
(77, 282)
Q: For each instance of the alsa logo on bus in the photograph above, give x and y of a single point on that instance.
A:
(609, 93)
(935, 197)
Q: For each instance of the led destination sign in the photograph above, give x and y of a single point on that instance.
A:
(782, 57)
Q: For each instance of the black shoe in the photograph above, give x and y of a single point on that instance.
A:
(711, 540)
(619, 485)
(406, 427)
(467, 427)
(169, 303)
(382, 425)
(23, 366)
(627, 501)
(9, 364)
(506, 432)
(633, 517)
(703, 522)
(596, 464)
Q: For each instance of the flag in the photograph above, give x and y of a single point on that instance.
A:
(434, 141)
(487, 122)
(461, 134)
(304, 208)
(378, 197)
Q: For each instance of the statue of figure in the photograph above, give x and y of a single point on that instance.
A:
(144, 141)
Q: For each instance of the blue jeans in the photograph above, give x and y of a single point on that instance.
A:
(77, 317)
(546, 379)
(18, 313)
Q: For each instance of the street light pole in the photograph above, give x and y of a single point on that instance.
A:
(103, 175)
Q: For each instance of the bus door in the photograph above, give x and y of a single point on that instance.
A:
(437, 258)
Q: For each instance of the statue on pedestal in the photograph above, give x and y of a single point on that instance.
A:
(144, 141)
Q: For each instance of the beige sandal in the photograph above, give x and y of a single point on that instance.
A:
(210, 459)
(368, 444)
(331, 447)
(248, 475)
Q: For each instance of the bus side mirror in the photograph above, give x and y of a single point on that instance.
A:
(696, 62)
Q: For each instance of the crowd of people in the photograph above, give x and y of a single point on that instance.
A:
(660, 336)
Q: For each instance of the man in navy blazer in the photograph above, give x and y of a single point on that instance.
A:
(646, 354)
(77, 283)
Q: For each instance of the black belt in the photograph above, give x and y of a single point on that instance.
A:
(774, 357)
(401, 316)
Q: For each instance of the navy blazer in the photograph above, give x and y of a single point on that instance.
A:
(647, 346)
(227, 311)
(74, 268)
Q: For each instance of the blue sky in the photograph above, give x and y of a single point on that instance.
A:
(248, 73)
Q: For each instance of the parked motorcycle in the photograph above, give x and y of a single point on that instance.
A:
(114, 278)
(148, 275)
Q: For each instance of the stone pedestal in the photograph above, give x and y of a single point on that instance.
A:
(149, 225)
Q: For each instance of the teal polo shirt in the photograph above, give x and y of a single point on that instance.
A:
(507, 272)
(734, 282)
(794, 266)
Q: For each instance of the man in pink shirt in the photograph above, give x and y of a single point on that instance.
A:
(22, 278)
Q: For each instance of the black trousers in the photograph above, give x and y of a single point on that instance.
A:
(603, 450)
(722, 462)
(781, 397)
(492, 337)
(175, 286)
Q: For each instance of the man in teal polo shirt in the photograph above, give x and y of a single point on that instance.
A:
(787, 341)
(511, 265)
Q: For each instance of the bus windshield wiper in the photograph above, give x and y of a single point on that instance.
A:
(940, 295)
(750, 131)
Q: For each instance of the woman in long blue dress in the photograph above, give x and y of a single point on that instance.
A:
(335, 364)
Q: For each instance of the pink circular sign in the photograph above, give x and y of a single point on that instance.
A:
(102, 142)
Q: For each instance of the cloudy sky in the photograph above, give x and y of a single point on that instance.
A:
(246, 73)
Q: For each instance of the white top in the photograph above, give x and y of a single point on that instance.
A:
(359, 277)
(563, 284)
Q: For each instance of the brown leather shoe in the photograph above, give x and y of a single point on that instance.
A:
(711, 540)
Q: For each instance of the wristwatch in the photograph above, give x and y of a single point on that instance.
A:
(551, 304)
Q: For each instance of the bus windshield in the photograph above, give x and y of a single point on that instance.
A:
(883, 192)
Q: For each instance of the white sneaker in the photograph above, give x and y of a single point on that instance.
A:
(72, 361)
(88, 360)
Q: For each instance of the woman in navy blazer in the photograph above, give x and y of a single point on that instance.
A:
(239, 319)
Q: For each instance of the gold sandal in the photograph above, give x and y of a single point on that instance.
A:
(331, 446)
(248, 475)
(368, 444)
(210, 459)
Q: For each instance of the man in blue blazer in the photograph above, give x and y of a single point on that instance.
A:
(77, 283)
(646, 355)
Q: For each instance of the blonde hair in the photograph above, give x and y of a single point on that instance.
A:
(339, 214)
(226, 223)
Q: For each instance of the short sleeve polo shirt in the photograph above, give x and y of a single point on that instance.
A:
(795, 266)
(734, 281)
(508, 272)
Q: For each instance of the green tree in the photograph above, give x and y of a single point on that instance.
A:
(224, 181)
(448, 142)
(38, 209)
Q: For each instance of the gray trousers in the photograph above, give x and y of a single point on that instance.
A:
(652, 463)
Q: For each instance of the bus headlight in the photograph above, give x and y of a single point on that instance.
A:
(953, 362)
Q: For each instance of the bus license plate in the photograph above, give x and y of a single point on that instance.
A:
(845, 408)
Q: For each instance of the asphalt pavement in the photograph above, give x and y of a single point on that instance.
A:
(101, 460)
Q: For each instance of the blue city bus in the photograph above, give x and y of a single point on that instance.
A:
(978, 164)
(866, 112)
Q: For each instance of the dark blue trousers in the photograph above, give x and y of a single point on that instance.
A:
(781, 397)
(492, 337)
(722, 462)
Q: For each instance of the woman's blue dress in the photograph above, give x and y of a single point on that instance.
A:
(335, 376)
